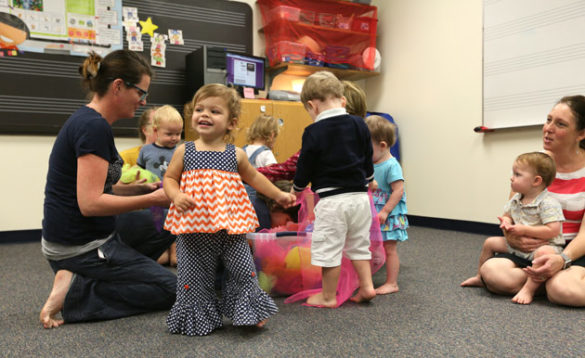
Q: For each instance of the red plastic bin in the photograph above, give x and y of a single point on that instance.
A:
(364, 24)
(284, 12)
(286, 51)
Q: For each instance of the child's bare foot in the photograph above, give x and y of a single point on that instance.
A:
(261, 323)
(523, 297)
(364, 295)
(317, 300)
(474, 281)
(387, 288)
(56, 299)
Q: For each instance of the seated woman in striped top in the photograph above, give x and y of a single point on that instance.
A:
(564, 273)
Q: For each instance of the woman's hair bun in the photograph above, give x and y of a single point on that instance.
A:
(91, 66)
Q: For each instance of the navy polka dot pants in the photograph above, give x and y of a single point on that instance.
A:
(198, 310)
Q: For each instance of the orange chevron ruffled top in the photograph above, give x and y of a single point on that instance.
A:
(221, 203)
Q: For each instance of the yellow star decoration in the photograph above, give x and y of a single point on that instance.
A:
(148, 27)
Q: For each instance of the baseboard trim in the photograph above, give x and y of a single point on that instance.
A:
(471, 227)
(20, 236)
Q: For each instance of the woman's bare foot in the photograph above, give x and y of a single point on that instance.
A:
(387, 288)
(56, 299)
(317, 300)
(364, 295)
(164, 258)
(173, 255)
(474, 281)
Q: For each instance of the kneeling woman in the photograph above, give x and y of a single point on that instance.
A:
(98, 276)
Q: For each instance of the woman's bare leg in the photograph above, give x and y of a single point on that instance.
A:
(56, 299)
(567, 287)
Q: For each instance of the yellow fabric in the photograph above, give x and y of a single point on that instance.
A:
(130, 156)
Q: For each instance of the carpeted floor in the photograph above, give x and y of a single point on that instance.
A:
(431, 316)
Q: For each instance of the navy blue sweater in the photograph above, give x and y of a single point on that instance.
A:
(336, 153)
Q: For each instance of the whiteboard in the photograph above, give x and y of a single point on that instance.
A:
(533, 54)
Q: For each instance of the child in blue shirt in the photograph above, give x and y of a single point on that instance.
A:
(167, 125)
(389, 198)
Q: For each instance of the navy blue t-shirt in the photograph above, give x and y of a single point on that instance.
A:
(85, 132)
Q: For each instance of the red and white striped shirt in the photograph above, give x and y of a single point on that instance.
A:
(569, 190)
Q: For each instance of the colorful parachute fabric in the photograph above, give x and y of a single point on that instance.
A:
(283, 258)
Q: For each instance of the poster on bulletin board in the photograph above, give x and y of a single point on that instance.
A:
(71, 27)
(40, 85)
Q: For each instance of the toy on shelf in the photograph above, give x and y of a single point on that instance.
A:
(283, 257)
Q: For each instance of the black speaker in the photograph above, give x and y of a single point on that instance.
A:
(203, 66)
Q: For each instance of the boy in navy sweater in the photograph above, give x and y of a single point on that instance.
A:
(336, 158)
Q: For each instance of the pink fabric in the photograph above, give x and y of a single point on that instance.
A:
(283, 257)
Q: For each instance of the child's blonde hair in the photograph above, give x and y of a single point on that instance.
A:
(166, 114)
(264, 128)
(321, 85)
(144, 121)
(231, 98)
(381, 129)
(356, 99)
(542, 164)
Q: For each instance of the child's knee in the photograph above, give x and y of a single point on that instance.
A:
(491, 240)
(495, 243)
(544, 250)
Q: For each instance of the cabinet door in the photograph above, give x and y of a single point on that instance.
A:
(251, 109)
(294, 120)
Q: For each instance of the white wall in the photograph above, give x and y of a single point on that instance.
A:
(430, 83)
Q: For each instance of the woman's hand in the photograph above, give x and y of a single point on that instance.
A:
(547, 267)
(149, 187)
(135, 188)
(524, 243)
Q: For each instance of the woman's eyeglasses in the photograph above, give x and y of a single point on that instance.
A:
(143, 93)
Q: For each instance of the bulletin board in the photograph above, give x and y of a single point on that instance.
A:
(533, 54)
(40, 85)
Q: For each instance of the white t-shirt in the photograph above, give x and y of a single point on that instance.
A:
(263, 159)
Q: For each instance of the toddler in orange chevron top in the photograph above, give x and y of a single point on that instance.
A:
(211, 213)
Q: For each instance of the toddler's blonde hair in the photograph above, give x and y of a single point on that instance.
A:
(355, 99)
(263, 128)
(321, 85)
(143, 122)
(381, 129)
(166, 114)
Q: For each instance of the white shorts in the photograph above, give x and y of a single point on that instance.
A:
(342, 227)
